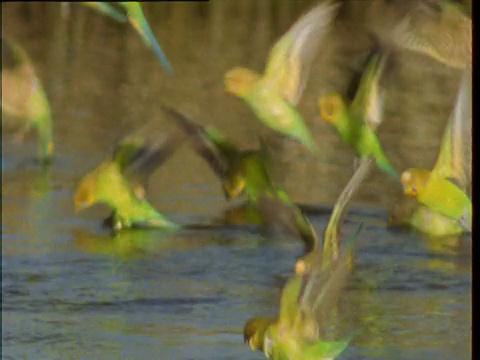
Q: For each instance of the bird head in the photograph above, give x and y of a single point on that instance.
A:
(304, 264)
(233, 185)
(105, 184)
(239, 80)
(330, 106)
(85, 194)
(254, 332)
(414, 181)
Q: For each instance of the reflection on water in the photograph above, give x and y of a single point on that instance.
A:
(70, 290)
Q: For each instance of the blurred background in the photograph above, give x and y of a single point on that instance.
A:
(103, 83)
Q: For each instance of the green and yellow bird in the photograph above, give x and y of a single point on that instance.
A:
(439, 29)
(134, 15)
(356, 120)
(296, 333)
(120, 183)
(274, 95)
(439, 194)
(447, 208)
(246, 172)
(23, 97)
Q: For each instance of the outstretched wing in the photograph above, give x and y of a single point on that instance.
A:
(365, 90)
(140, 154)
(291, 57)
(332, 232)
(322, 287)
(455, 157)
(329, 269)
(207, 142)
(440, 30)
(282, 212)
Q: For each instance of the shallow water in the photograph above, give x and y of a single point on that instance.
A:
(71, 290)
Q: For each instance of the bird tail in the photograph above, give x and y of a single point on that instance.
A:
(139, 22)
(388, 168)
(107, 10)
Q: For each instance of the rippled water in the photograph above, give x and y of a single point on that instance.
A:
(70, 290)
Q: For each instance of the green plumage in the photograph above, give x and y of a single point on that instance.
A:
(24, 97)
(353, 130)
(443, 192)
(279, 114)
(120, 182)
(356, 121)
(246, 172)
(135, 16)
(128, 209)
(295, 334)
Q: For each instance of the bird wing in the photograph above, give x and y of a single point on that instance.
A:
(364, 89)
(439, 29)
(330, 269)
(290, 59)
(322, 286)
(207, 142)
(281, 211)
(340, 209)
(289, 301)
(140, 154)
(455, 157)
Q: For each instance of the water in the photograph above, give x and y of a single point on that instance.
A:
(72, 291)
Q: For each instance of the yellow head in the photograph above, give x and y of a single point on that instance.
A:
(304, 264)
(330, 106)
(85, 194)
(233, 185)
(414, 181)
(239, 80)
(254, 332)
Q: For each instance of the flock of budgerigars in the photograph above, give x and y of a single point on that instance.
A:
(442, 193)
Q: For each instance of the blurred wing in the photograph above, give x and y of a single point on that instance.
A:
(340, 209)
(209, 144)
(289, 301)
(462, 131)
(455, 156)
(290, 59)
(441, 31)
(285, 214)
(322, 286)
(138, 156)
(365, 89)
